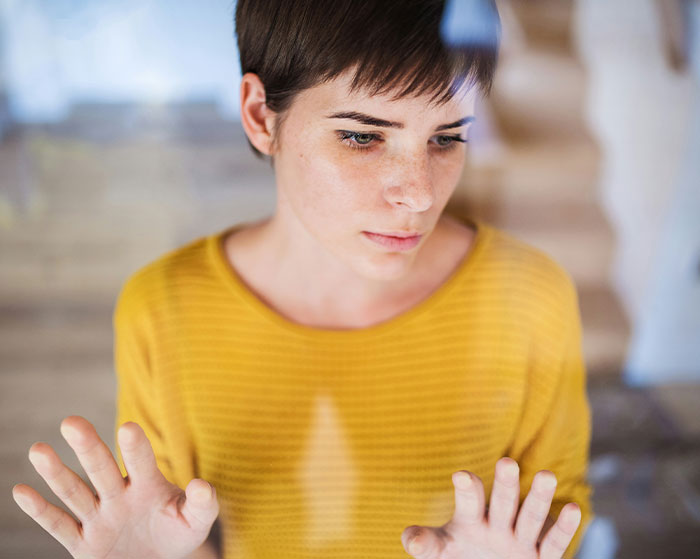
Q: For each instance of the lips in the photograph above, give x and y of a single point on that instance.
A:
(393, 242)
(397, 234)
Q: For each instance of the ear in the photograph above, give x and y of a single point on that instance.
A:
(257, 119)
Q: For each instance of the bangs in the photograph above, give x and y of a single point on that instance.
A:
(405, 54)
(442, 79)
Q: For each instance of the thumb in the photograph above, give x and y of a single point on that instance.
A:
(201, 505)
(422, 542)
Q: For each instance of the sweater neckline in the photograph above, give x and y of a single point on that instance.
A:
(228, 274)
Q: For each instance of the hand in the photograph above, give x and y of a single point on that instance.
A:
(471, 535)
(141, 515)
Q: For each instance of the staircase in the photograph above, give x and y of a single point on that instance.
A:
(533, 169)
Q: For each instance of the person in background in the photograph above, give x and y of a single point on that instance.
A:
(354, 374)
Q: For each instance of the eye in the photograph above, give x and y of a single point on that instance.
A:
(363, 140)
(359, 141)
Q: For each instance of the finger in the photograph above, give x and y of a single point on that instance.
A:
(535, 508)
(63, 481)
(505, 495)
(94, 456)
(201, 507)
(423, 542)
(469, 501)
(57, 522)
(137, 452)
(560, 535)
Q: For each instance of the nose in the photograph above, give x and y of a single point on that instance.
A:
(411, 185)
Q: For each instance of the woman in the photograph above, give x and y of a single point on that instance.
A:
(355, 373)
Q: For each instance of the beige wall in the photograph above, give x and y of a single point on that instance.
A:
(642, 112)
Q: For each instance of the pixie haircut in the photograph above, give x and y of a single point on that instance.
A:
(393, 45)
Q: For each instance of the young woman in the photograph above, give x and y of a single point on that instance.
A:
(355, 373)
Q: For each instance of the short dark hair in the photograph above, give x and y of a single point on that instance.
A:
(293, 45)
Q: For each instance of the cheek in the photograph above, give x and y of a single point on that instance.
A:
(448, 172)
(336, 186)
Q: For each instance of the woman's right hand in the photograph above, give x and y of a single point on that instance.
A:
(141, 515)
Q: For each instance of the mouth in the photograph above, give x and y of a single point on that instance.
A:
(396, 234)
(394, 241)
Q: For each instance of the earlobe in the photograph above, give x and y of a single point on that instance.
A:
(256, 117)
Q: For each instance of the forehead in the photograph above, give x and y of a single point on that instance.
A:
(335, 95)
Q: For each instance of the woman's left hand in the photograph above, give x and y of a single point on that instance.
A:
(470, 534)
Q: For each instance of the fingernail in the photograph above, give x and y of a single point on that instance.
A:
(70, 433)
(203, 493)
(415, 547)
(38, 459)
(462, 480)
(511, 469)
(548, 482)
(24, 503)
(127, 435)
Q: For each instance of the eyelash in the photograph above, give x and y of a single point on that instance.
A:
(346, 135)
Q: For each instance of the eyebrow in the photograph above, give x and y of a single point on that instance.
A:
(374, 121)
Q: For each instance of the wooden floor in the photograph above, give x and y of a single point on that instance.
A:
(85, 203)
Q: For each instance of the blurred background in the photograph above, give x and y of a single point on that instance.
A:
(120, 140)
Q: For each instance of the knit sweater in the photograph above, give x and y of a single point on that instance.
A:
(328, 443)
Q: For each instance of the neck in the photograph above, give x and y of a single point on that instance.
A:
(319, 283)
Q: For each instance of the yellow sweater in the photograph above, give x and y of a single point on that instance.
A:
(328, 443)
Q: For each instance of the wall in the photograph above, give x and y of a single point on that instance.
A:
(645, 116)
(60, 52)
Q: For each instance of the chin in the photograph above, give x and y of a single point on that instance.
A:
(386, 267)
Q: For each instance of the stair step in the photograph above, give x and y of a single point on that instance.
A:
(606, 330)
(540, 93)
(580, 255)
(543, 171)
(546, 24)
(32, 331)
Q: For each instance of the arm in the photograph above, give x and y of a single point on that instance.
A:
(549, 453)
(137, 399)
(148, 392)
(558, 439)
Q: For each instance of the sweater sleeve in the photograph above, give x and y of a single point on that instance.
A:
(559, 440)
(137, 397)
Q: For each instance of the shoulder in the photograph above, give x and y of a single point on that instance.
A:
(541, 292)
(160, 279)
(530, 266)
(543, 308)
